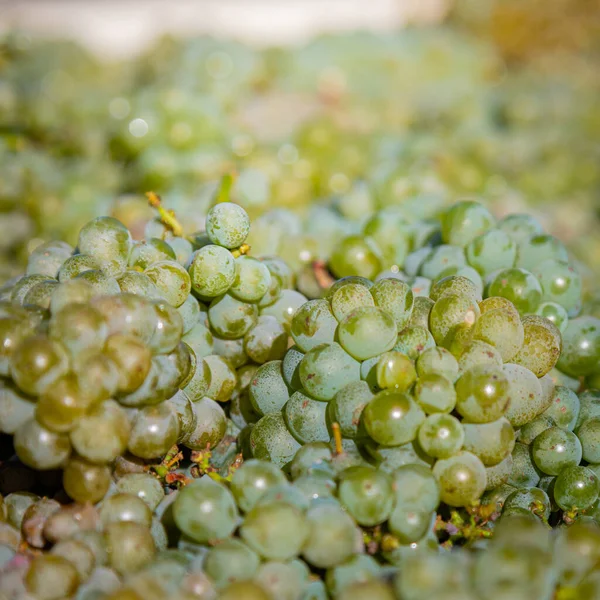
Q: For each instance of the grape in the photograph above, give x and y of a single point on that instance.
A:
(581, 347)
(84, 481)
(374, 590)
(348, 298)
(125, 507)
(268, 390)
(412, 341)
(478, 353)
(51, 577)
(450, 312)
(461, 477)
(441, 435)
(499, 474)
(394, 370)
(388, 230)
(205, 510)
(266, 341)
(589, 406)
(107, 241)
(284, 308)
(561, 284)
(252, 279)
(437, 361)
(576, 552)
(130, 546)
(253, 480)
(519, 286)
(200, 340)
(520, 227)
(154, 431)
(40, 448)
(47, 258)
(149, 251)
(491, 442)
(396, 298)
(313, 324)
(456, 285)
(78, 554)
(227, 225)
(331, 536)
(347, 406)
(316, 485)
(305, 418)
(138, 284)
(325, 369)
(171, 279)
(243, 590)
(525, 472)
(419, 316)
(290, 368)
(533, 428)
(354, 255)
(15, 408)
(210, 425)
(79, 328)
(536, 249)
(223, 380)
(482, 394)
(366, 494)
(190, 313)
(442, 259)
(62, 405)
(367, 332)
(564, 408)
(589, 436)
(541, 347)
(409, 524)
(144, 486)
(491, 251)
(415, 484)
(576, 488)
(271, 440)
(464, 221)
(231, 350)
(392, 418)
(73, 265)
(282, 580)
(231, 318)
(554, 312)
(100, 282)
(502, 329)
(527, 399)
(556, 449)
(314, 455)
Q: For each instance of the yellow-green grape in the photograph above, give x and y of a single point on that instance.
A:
(556, 449)
(284, 308)
(462, 479)
(47, 258)
(223, 380)
(74, 265)
(227, 224)
(441, 435)
(498, 475)
(419, 317)
(149, 251)
(84, 481)
(491, 442)
(554, 312)
(478, 353)
(40, 448)
(390, 232)
(348, 298)
(561, 283)
(395, 371)
(519, 286)
(313, 324)
(267, 340)
(15, 407)
(541, 346)
(212, 271)
(107, 241)
(130, 546)
(454, 285)
(367, 332)
(437, 361)
(51, 577)
(209, 425)
(491, 251)
(412, 341)
(354, 255)
(395, 297)
(252, 279)
(172, 281)
(482, 394)
(450, 312)
(527, 399)
(464, 221)
(589, 436)
(154, 430)
(133, 359)
(533, 428)
(502, 329)
(40, 295)
(97, 376)
(581, 347)
(435, 394)
(524, 472)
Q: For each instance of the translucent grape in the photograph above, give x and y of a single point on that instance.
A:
(108, 241)
(73, 265)
(354, 256)
(252, 279)
(39, 448)
(51, 577)
(435, 394)
(581, 347)
(253, 480)
(554, 312)
(441, 435)
(490, 442)
(520, 227)
(395, 371)
(556, 449)
(541, 347)
(525, 473)
(538, 248)
(149, 251)
(154, 430)
(450, 312)
(461, 477)
(133, 360)
(62, 405)
(172, 281)
(412, 341)
(482, 394)
(531, 430)
(464, 221)
(396, 298)
(231, 318)
(437, 361)
(442, 258)
(290, 368)
(348, 298)
(212, 271)
(519, 286)
(227, 225)
(409, 524)
(210, 425)
(576, 488)
(357, 569)
(367, 332)
(419, 316)
(347, 406)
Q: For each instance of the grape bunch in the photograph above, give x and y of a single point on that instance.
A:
(180, 421)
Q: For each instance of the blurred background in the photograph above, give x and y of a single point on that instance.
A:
(330, 109)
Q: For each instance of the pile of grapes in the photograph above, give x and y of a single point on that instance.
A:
(421, 420)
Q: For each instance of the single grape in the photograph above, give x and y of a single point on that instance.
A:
(130, 546)
(313, 324)
(15, 408)
(210, 425)
(564, 408)
(589, 436)
(482, 394)
(520, 227)
(556, 449)
(227, 225)
(419, 316)
(448, 314)
(143, 485)
(312, 456)
(533, 428)
(354, 256)
(538, 248)
(51, 577)
(268, 389)
(348, 298)
(154, 430)
(464, 221)
(581, 347)
(441, 435)
(61, 406)
(444, 258)
(461, 477)
(266, 341)
(498, 475)
(491, 442)
(305, 418)
(40, 448)
(223, 380)
(284, 308)
(576, 488)
(253, 480)
(357, 569)
(347, 406)
(394, 370)
(527, 398)
(554, 312)
(271, 440)
(367, 332)
(212, 271)
(519, 286)
(541, 347)
(107, 241)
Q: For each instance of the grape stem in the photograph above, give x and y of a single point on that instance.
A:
(167, 217)
(224, 189)
(337, 436)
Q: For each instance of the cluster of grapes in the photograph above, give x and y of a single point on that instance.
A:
(240, 440)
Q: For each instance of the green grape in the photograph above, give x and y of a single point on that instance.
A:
(124, 507)
(441, 436)
(101, 283)
(47, 258)
(412, 341)
(395, 370)
(419, 317)
(40, 295)
(331, 536)
(520, 227)
(366, 494)
(281, 580)
(12, 333)
(581, 347)
(468, 274)
(263, 525)
(367, 332)
(223, 380)
(313, 324)
(73, 265)
(210, 425)
(527, 399)
(316, 485)
(212, 271)
(502, 329)
(61, 406)
(389, 231)
(354, 256)
(525, 472)
(186, 416)
(576, 552)
(227, 225)
(97, 376)
(409, 524)
(464, 221)
(455, 285)
(24, 284)
(491, 251)
(344, 281)
(230, 318)
(554, 312)
(498, 475)
(51, 577)
(154, 431)
(533, 428)
(396, 298)
(266, 341)
(129, 314)
(242, 590)
(576, 488)
(415, 484)
(490, 442)
(450, 312)
(541, 347)
(556, 449)
(190, 313)
(325, 369)
(561, 284)
(200, 340)
(589, 436)
(37, 362)
(461, 478)
(107, 241)
(231, 350)
(40, 448)
(172, 281)
(133, 360)
(15, 408)
(519, 286)
(348, 298)
(442, 259)
(138, 284)
(357, 569)
(253, 480)
(478, 353)
(284, 308)
(149, 251)
(130, 546)
(392, 418)
(84, 481)
(78, 554)
(290, 368)
(482, 394)
(437, 361)
(435, 394)
(315, 455)
(252, 279)
(101, 436)
(589, 406)
(305, 418)
(268, 389)
(347, 405)
(144, 486)
(536, 249)
(281, 278)
(205, 511)
(79, 328)
(271, 440)
(564, 408)
(374, 590)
